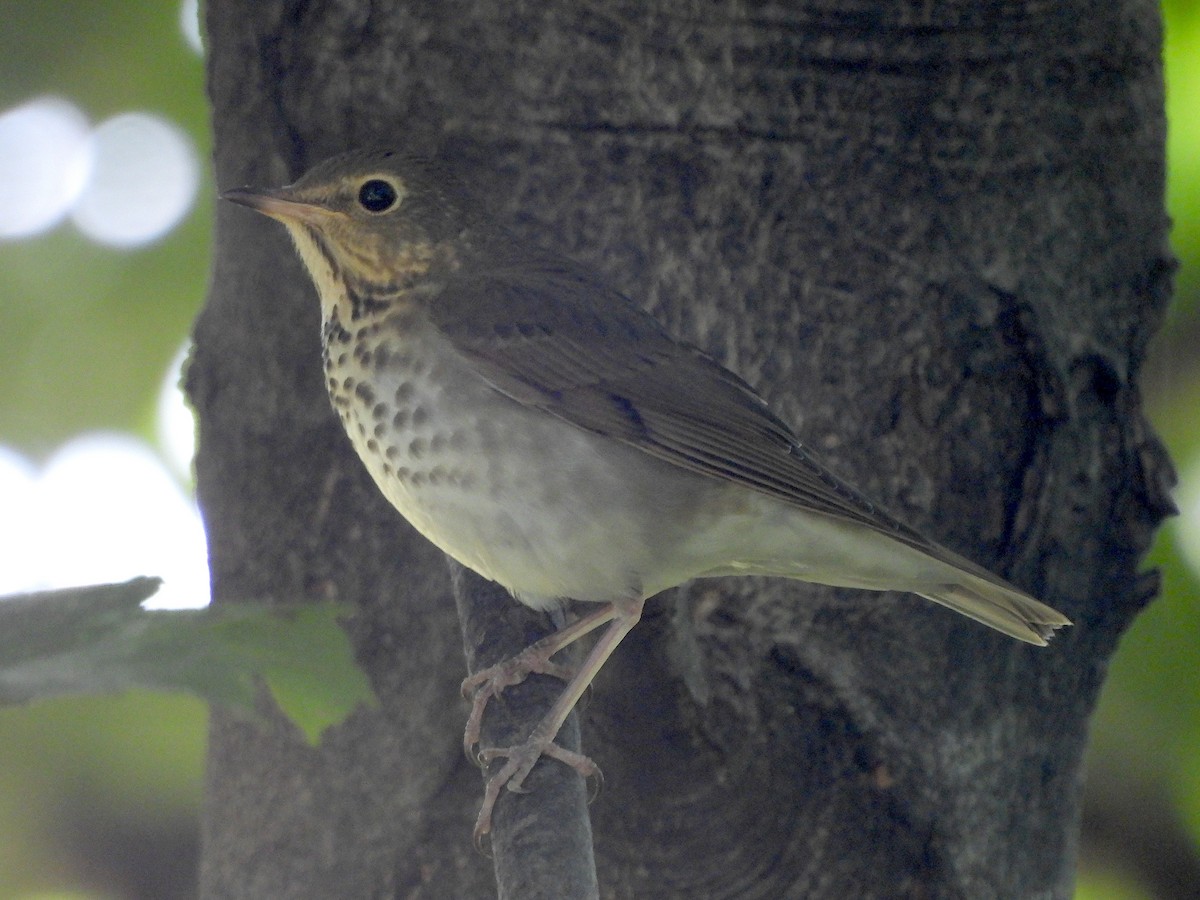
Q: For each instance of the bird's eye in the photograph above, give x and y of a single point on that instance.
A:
(377, 195)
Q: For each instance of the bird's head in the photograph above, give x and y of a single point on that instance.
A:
(371, 221)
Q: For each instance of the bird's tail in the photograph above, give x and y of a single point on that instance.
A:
(1000, 606)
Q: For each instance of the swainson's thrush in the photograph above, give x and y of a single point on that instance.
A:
(542, 430)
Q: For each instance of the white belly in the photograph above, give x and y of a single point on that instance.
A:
(545, 509)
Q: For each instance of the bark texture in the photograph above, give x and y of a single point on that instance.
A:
(932, 234)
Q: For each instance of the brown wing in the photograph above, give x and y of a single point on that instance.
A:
(548, 335)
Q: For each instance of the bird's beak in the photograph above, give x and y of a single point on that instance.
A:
(278, 204)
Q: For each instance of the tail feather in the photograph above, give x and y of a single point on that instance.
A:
(1002, 607)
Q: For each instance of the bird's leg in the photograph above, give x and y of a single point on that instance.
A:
(521, 758)
(534, 659)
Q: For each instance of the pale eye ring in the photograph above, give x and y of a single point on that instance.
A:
(377, 195)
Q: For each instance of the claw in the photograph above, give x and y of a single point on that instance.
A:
(491, 682)
(520, 762)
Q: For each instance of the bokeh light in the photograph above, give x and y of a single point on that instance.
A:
(125, 183)
(44, 164)
(189, 25)
(18, 478)
(176, 420)
(104, 508)
(144, 179)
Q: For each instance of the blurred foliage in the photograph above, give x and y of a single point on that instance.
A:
(85, 779)
(1181, 56)
(92, 789)
(99, 640)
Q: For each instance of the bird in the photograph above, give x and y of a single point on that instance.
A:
(548, 433)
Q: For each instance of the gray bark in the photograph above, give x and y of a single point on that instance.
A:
(932, 235)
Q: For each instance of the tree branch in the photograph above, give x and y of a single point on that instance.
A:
(541, 838)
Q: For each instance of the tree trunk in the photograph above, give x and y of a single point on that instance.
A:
(933, 236)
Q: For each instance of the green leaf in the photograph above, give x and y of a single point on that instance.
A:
(99, 640)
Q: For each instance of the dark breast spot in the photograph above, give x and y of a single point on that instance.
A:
(362, 305)
(370, 330)
(334, 333)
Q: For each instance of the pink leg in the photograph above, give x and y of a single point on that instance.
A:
(522, 757)
(534, 659)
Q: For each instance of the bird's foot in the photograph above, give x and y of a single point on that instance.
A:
(492, 681)
(521, 758)
(520, 761)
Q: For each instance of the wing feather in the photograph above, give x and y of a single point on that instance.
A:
(545, 333)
